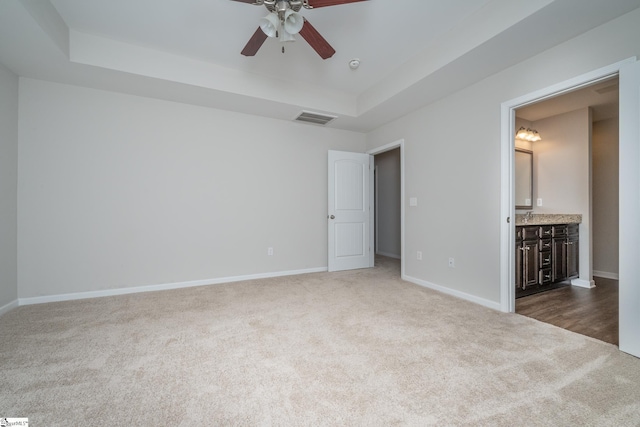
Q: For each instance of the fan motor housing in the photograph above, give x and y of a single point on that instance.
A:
(282, 5)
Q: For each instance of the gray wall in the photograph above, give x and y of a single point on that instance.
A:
(388, 203)
(120, 191)
(459, 175)
(605, 197)
(562, 168)
(9, 84)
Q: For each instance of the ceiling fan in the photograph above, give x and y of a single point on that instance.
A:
(284, 21)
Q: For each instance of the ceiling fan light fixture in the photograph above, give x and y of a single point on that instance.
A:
(283, 22)
(269, 24)
(293, 22)
(286, 36)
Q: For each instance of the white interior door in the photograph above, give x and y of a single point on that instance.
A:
(630, 209)
(350, 214)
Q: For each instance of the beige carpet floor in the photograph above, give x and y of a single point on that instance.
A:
(349, 348)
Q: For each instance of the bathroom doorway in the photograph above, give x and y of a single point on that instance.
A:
(574, 127)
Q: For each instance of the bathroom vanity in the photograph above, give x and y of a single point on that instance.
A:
(546, 251)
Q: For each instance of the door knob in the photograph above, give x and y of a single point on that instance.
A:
(332, 217)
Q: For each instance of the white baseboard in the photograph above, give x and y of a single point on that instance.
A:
(395, 256)
(8, 307)
(162, 287)
(581, 283)
(472, 298)
(606, 275)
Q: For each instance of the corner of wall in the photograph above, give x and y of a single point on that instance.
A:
(9, 92)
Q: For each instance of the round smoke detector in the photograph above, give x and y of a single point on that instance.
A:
(354, 63)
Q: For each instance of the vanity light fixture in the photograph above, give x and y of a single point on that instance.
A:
(530, 135)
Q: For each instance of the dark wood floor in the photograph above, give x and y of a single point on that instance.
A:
(592, 312)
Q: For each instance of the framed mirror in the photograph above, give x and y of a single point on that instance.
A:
(524, 178)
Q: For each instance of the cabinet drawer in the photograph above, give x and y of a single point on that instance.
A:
(545, 245)
(529, 233)
(545, 277)
(546, 231)
(559, 230)
(545, 260)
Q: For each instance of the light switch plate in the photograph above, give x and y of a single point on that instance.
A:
(413, 201)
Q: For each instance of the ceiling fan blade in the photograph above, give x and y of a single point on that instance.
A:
(245, 1)
(316, 41)
(323, 3)
(255, 42)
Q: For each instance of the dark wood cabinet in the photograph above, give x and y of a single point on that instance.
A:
(559, 258)
(527, 253)
(565, 252)
(545, 255)
(530, 263)
(573, 251)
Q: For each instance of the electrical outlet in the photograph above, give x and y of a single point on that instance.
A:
(452, 262)
(539, 202)
(270, 251)
(419, 255)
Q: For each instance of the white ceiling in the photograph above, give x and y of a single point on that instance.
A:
(217, 30)
(189, 50)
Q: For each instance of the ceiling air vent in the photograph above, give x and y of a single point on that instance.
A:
(314, 118)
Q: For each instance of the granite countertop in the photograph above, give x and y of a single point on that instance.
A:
(546, 219)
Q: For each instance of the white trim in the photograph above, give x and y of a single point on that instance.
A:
(8, 307)
(376, 237)
(372, 217)
(629, 202)
(507, 209)
(606, 275)
(163, 287)
(581, 283)
(468, 297)
(396, 256)
(388, 147)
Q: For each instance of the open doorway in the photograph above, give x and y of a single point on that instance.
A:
(387, 204)
(388, 230)
(575, 171)
(628, 71)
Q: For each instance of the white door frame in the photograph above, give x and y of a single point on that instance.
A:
(375, 209)
(507, 207)
(629, 269)
(379, 150)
